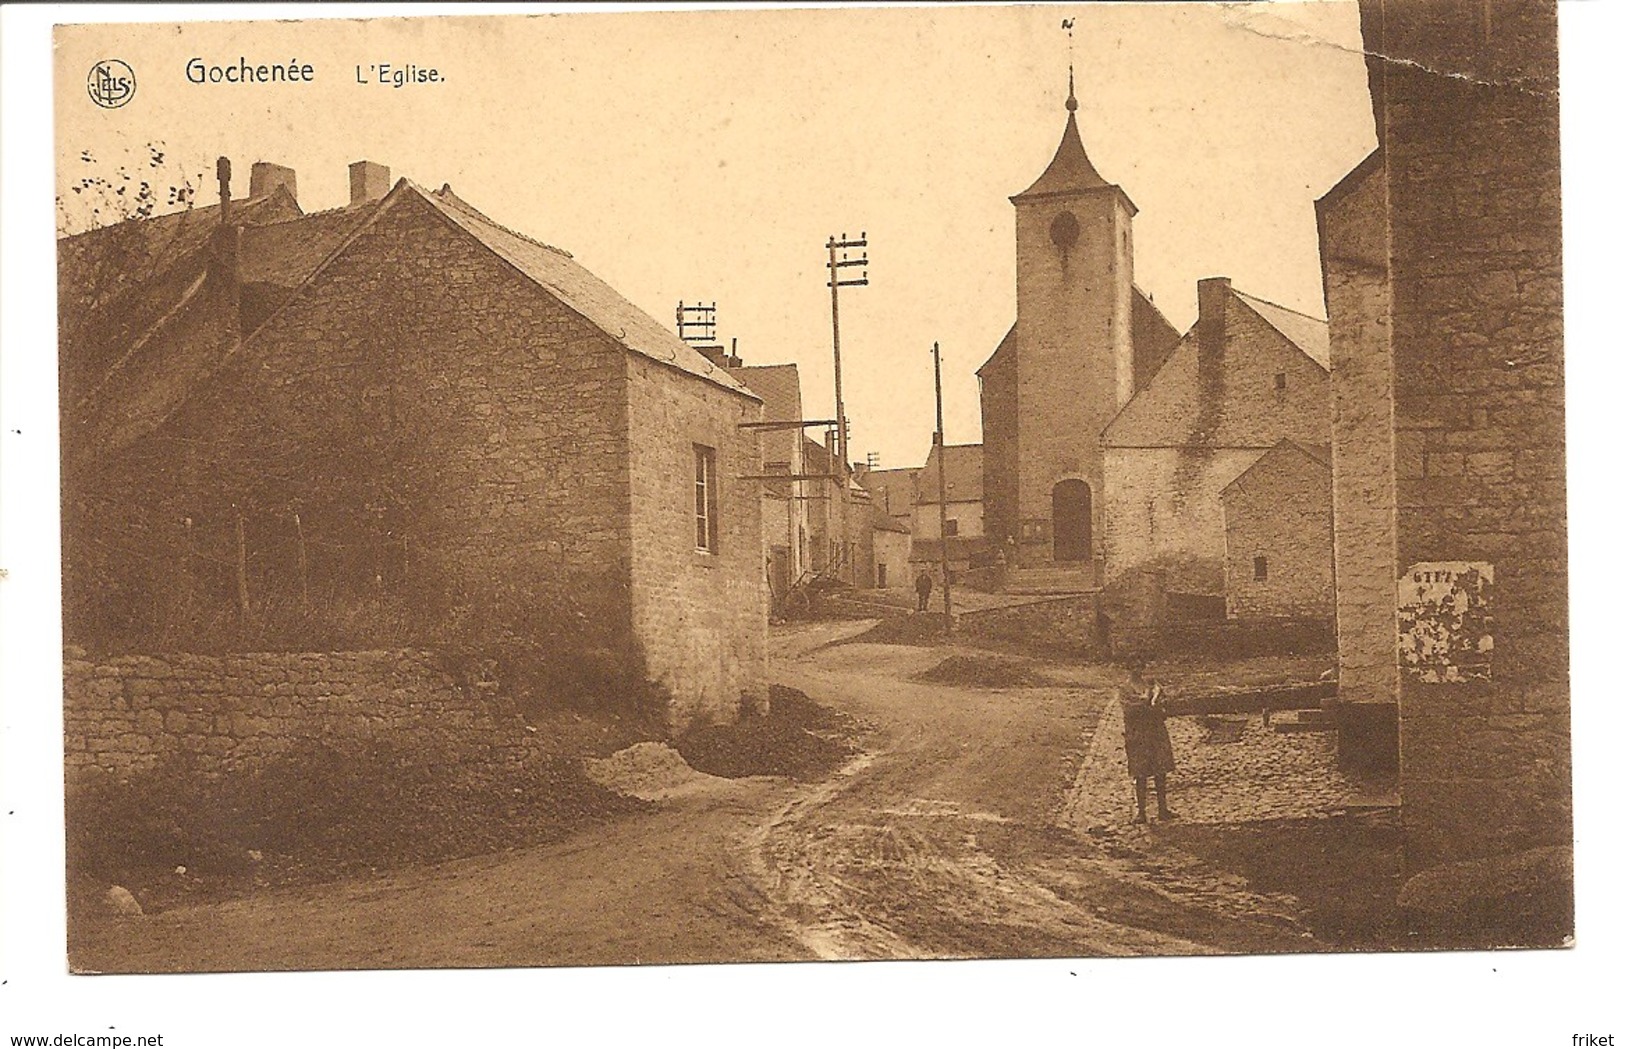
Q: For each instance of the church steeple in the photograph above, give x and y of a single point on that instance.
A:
(1071, 169)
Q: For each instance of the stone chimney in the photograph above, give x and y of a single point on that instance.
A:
(368, 182)
(265, 177)
(1211, 295)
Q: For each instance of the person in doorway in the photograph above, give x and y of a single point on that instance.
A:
(1145, 739)
(922, 589)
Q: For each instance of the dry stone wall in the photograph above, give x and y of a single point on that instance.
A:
(235, 713)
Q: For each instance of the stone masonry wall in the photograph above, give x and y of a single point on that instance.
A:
(1069, 625)
(1280, 510)
(1207, 416)
(1354, 258)
(700, 617)
(235, 713)
(445, 429)
(1163, 505)
(1001, 464)
(1469, 124)
(1075, 365)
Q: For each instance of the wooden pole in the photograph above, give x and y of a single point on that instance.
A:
(942, 500)
(839, 444)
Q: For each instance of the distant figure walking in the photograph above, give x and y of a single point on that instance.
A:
(1145, 739)
(922, 589)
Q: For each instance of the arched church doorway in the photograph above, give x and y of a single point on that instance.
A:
(1070, 512)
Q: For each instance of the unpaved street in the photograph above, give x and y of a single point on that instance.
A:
(942, 838)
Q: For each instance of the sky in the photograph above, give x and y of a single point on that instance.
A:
(708, 155)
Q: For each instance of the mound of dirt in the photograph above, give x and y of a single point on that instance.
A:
(797, 738)
(317, 812)
(650, 772)
(981, 671)
(795, 707)
(921, 628)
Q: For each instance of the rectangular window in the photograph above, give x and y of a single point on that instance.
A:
(951, 528)
(1261, 569)
(1280, 381)
(705, 498)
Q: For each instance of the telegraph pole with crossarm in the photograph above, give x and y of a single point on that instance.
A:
(845, 253)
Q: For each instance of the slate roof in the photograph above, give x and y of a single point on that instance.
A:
(779, 387)
(1069, 170)
(881, 521)
(964, 475)
(1309, 334)
(894, 489)
(1006, 348)
(572, 284)
(285, 253)
(1174, 392)
(109, 331)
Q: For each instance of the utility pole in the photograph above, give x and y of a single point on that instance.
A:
(942, 501)
(845, 246)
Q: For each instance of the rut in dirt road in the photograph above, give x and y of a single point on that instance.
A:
(945, 839)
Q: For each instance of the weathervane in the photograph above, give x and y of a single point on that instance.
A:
(1071, 96)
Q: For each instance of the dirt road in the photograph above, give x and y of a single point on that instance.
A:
(941, 839)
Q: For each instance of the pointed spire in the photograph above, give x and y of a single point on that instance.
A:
(1070, 169)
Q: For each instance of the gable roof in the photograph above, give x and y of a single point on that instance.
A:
(1309, 334)
(894, 487)
(558, 273)
(1001, 353)
(1174, 395)
(1153, 339)
(964, 475)
(281, 250)
(779, 387)
(1319, 455)
(881, 521)
(284, 253)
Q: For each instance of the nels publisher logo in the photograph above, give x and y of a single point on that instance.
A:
(111, 83)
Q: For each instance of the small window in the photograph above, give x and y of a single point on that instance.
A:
(1261, 569)
(1280, 381)
(705, 498)
(951, 527)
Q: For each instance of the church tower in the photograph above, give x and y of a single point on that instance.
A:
(1074, 352)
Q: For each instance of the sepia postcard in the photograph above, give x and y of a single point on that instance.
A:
(647, 487)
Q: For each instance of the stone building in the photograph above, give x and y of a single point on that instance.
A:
(1442, 258)
(1248, 375)
(893, 491)
(967, 541)
(890, 548)
(1084, 341)
(1278, 535)
(962, 465)
(784, 503)
(402, 414)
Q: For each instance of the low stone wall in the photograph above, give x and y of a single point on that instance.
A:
(236, 712)
(1069, 625)
(1225, 638)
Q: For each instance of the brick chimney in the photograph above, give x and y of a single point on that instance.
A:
(265, 177)
(368, 182)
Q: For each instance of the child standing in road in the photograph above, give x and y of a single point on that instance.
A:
(1145, 739)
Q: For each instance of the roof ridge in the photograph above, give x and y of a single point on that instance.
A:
(446, 195)
(1277, 305)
